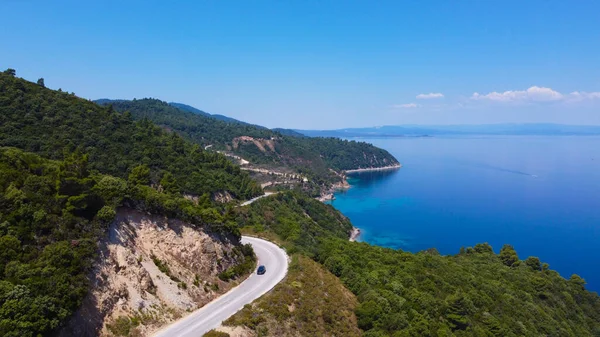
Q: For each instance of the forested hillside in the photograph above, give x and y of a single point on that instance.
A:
(473, 293)
(52, 214)
(51, 123)
(311, 156)
(297, 219)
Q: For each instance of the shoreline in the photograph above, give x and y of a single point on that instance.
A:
(329, 194)
(355, 234)
(383, 168)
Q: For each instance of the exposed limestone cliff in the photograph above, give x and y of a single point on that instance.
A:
(153, 270)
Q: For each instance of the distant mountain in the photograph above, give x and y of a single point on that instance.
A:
(190, 108)
(289, 132)
(482, 129)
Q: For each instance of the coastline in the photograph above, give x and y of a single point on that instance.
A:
(354, 234)
(329, 194)
(383, 168)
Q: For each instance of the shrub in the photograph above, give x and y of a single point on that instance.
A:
(215, 333)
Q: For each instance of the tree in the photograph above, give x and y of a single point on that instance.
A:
(459, 307)
(508, 255)
(140, 175)
(168, 183)
(577, 280)
(40, 82)
(10, 72)
(534, 263)
(111, 190)
(483, 248)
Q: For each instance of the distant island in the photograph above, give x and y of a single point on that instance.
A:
(541, 129)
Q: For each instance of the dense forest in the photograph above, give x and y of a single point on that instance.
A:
(50, 122)
(52, 214)
(473, 293)
(54, 211)
(312, 156)
(298, 220)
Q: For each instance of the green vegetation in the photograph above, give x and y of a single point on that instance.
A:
(49, 123)
(475, 293)
(343, 155)
(85, 161)
(247, 261)
(54, 212)
(311, 156)
(309, 302)
(122, 326)
(48, 233)
(126, 326)
(215, 333)
(203, 130)
(298, 220)
(164, 268)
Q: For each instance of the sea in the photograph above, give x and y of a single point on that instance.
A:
(540, 194)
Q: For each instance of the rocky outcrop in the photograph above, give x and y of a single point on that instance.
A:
(260, 143)
(154, 270)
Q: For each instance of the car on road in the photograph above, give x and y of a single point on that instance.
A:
(261, 270)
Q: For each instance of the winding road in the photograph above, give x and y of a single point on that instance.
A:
(211, 315)
(246, 203)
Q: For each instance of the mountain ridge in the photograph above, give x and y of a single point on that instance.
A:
(314, 164)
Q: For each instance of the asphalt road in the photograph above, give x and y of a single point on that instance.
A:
(211, 315)
(245, 203)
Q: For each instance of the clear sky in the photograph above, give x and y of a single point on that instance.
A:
(320, 64)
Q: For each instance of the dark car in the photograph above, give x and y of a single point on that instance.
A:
(261, 270)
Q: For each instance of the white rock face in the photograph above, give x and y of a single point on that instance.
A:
(127, 280)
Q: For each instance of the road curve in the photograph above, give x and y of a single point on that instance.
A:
(245, 203)
(211, 315)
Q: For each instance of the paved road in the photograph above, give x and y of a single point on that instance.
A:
(211, 315)
(245, 203)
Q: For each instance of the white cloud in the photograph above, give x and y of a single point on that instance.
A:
(406, 106)
(430, 95)
(580, 96)
(533, 94)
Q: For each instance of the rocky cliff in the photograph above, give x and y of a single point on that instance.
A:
(152, 271)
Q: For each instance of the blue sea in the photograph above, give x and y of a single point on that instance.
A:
(540, 194)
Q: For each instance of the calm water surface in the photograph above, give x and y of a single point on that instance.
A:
(539, 194)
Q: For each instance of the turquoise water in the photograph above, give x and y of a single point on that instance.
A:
(539, 194)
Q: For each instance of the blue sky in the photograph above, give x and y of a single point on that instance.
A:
(320, 64)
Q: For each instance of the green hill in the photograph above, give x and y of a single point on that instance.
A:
(52, 215)
(313, 157)
(53, 212)
(48, 122)
(190, 108)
